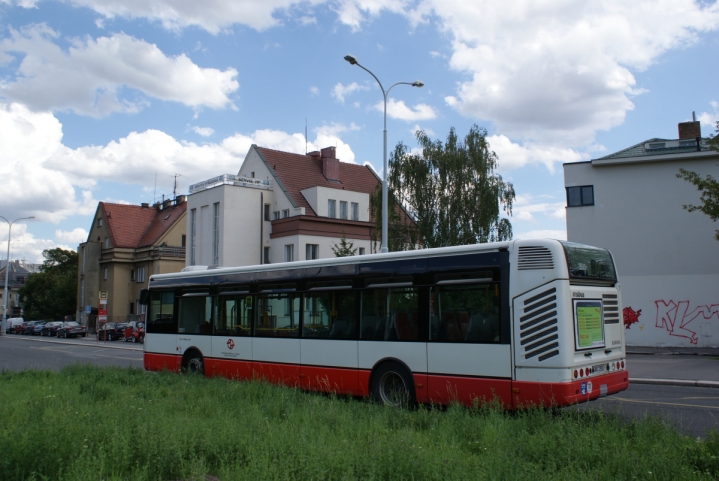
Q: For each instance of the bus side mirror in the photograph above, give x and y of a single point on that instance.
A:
(144, 297)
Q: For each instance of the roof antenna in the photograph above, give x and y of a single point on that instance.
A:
(305, 135)
(694, 116)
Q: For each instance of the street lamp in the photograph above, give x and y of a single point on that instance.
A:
(353, 61)
(7, 271)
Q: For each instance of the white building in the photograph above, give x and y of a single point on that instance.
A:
(280, 207)
(667, 258)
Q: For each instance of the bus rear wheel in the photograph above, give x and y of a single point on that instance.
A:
(194, 363)
(392, 386)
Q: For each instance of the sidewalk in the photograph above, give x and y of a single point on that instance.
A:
(674, 366)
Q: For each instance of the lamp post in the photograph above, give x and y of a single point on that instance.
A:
(7, 271)
(353, 61)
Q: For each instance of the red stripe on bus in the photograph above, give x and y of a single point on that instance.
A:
(527, 394)
(329, 379)
(230, 369)
(161, 362)
(468, 391)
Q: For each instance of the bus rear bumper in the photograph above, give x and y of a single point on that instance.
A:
(527, 394)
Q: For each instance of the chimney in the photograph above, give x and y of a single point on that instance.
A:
(330, 164)
(145, 205)
(690, 130)
(167, 203)
(180, 199)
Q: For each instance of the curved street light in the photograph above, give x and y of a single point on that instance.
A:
(7, 271)
(353, 61)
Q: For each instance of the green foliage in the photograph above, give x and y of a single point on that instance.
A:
(345, 248)
(708, 186)
(90, 423)
(450, 192)
(51, 293)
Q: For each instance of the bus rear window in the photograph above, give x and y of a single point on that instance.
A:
(585, 262)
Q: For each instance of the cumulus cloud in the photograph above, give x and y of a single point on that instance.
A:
(91, 76)
(203, 131)
(526, 208)
(340, 91)
(24, 245)
(73, 237)
(513, 156)
(710, 119)
(542, 234)
(398, 110)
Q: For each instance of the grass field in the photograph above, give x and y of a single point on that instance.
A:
(111, 424)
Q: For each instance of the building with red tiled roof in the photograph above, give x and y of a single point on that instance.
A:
(280, 207)
(127, 244)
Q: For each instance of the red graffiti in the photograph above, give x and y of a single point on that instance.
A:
(630, 316)
(675, 317)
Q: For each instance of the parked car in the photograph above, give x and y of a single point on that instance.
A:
(50, 328)
(29, 326)
(37, 328)
(11, 323)
(71, 329)
(111, 331)
(134, 332)
(20, 328)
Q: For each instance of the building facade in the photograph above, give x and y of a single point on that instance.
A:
(280, 207)
(127, 244)
(667, 258)
(17, 275)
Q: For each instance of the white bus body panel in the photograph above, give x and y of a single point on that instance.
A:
(241, 348)
(485, 360)
(273, 349)
(413, 354)
(160, 343)
(202, 343)
(329, 352)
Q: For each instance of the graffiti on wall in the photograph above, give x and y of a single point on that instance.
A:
(630, 316)
(676, 317)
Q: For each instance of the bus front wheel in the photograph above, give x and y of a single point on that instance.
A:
(392, 386)
(194, 363)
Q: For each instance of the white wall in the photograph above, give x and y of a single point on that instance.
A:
(667, 258)
(277, 251)
(318, 196)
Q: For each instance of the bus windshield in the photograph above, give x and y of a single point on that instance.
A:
(585, 262)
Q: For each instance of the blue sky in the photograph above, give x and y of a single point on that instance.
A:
(106, 100)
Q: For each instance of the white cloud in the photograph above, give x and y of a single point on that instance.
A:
(340, 91)
(710, 119)
(398, 110)
(513, 156)
(526, 208)
(314, 91)
(203, 131)
(73, 237)
(89, 77)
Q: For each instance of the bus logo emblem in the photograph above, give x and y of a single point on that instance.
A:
(583, 389)
(230, 343)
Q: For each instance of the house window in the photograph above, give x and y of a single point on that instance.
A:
(193, 235)
(132, 275)
(267, 212)
(312, 252)
(361, 251)
(289, 252)
(266, 255)
(276, 215)
(107, 242)
(579, 196)
(140, 274)
(343, 209)
(331, 207)
(355, 211)
(216, 241)
(99, 222)
(104, 274)
(252, 174)
(285, 213)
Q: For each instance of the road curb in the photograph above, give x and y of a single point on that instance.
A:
(81, 343)
(675, 382)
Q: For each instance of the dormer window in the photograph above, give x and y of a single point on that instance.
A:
(656, 145)
(331, 208)
(343, 209)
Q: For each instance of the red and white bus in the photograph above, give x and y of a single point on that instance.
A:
(525, 322)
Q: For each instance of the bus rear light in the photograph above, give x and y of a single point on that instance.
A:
(576, 374)
(622, 364)
(581, 373)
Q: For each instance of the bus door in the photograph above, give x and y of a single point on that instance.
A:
(329, 341)
(194, 324)
(231, 342)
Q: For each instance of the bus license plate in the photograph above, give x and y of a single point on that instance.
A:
(599, 368)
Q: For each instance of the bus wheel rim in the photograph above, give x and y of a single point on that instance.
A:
(392, 389)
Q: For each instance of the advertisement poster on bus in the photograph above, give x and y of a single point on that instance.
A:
(588, 325)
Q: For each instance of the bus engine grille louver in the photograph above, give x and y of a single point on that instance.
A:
(534, 258)
(538, 330)
(610, 304)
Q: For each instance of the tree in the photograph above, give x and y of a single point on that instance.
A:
(708, 186)
(447, 195)
(51, 293)
(345, 248)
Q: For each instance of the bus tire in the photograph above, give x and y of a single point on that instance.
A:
(392, 385)
(193, 364)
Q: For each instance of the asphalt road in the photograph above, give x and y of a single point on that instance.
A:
(692, 410)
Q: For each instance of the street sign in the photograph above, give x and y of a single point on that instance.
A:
(102, 318)
(88, 309)
(102, 312)
(103, 295)
(103, 302)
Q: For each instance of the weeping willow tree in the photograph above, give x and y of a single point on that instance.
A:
(447, 195)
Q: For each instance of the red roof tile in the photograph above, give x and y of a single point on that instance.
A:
(133, 226)
(298, 172)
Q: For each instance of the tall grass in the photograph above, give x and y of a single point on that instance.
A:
(108, 423)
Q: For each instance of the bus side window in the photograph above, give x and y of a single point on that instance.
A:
(465, 313)
(329, 315)
(161, 316)
(195, 316)
(390, 314)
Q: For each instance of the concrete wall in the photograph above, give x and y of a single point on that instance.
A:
(666, 257)
(317, 197)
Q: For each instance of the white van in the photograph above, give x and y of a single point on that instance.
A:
(11, 322)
